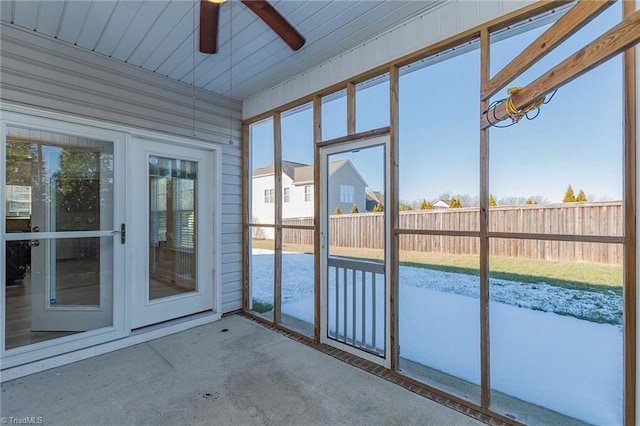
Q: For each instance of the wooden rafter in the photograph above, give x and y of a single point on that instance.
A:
(611, 43)
(577, 17)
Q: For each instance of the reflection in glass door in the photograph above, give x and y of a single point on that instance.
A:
(172, 227)
(171, 232)
(59, 240)
(355, 291)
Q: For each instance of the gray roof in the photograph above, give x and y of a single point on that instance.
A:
(288, 168)
(298, 172)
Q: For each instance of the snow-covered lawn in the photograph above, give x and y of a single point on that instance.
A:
(543, 351)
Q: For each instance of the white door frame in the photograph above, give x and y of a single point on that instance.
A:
(59, 351)
(366, 142)
(142, 311)
(39, 120)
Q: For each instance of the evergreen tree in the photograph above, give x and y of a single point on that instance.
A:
(581, 197)
(569, 196)
(492, 201)
(425, 205)
(354, 209)
(337, 210)
(455, 203)
(530, 201)
(377, 208)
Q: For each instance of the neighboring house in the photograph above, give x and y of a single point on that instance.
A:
(373, 198)
(346, 188)
(440, 204)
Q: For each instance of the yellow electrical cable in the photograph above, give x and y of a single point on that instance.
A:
(515, 113)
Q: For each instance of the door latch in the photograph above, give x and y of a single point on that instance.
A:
(123, 233)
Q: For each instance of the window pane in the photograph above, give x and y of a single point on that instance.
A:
(263, 181)
(438, 146)
(298, 273)
(62, 182)
(297, 162)
(49, 282)
(172, 226)
(439, 320)
(556, 336)
(372, 104)
(334, 115)
(572, 150)
(261, 278)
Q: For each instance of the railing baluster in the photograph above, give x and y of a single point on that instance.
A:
(337, 302)
(368, 320)
(364, 309)
(353, 308)
(373, 311)
(345, 307)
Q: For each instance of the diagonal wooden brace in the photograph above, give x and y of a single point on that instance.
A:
(611, 43)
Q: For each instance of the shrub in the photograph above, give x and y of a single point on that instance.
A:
(492, 201)
(455, 203)
(377, 208)
(581, 197)
(426, 206)
(261, 307)
(337, 210)
(569, 196)
(354, 209)
(530, 201)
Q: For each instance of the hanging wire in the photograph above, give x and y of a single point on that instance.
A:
(193, 71)
(514, 113)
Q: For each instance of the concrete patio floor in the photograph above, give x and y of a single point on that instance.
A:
(246, 375)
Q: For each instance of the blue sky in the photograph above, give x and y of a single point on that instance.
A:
(576, 140)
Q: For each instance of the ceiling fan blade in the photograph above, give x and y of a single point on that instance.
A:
(273, 19)
(209, 26)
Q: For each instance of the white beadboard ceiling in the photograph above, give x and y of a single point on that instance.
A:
(161, 36)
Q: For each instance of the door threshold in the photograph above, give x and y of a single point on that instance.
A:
(140, 335)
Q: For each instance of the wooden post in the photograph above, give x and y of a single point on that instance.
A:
(246, 241)
(317, 138)
(351, 108)
(485, 379)
(392, 209)
(277, 258)
(630, 251)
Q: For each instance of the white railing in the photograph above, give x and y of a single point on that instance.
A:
(356, 304)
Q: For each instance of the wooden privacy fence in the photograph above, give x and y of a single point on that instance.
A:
(365, 230)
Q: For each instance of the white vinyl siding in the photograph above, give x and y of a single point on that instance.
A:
(269, 196)
(57, 77)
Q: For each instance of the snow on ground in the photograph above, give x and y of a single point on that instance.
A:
(561, 362)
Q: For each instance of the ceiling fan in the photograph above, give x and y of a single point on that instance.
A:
(209, 10)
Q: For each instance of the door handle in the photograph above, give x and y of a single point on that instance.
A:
(34, 243)
(122, 232)
(35, 229)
